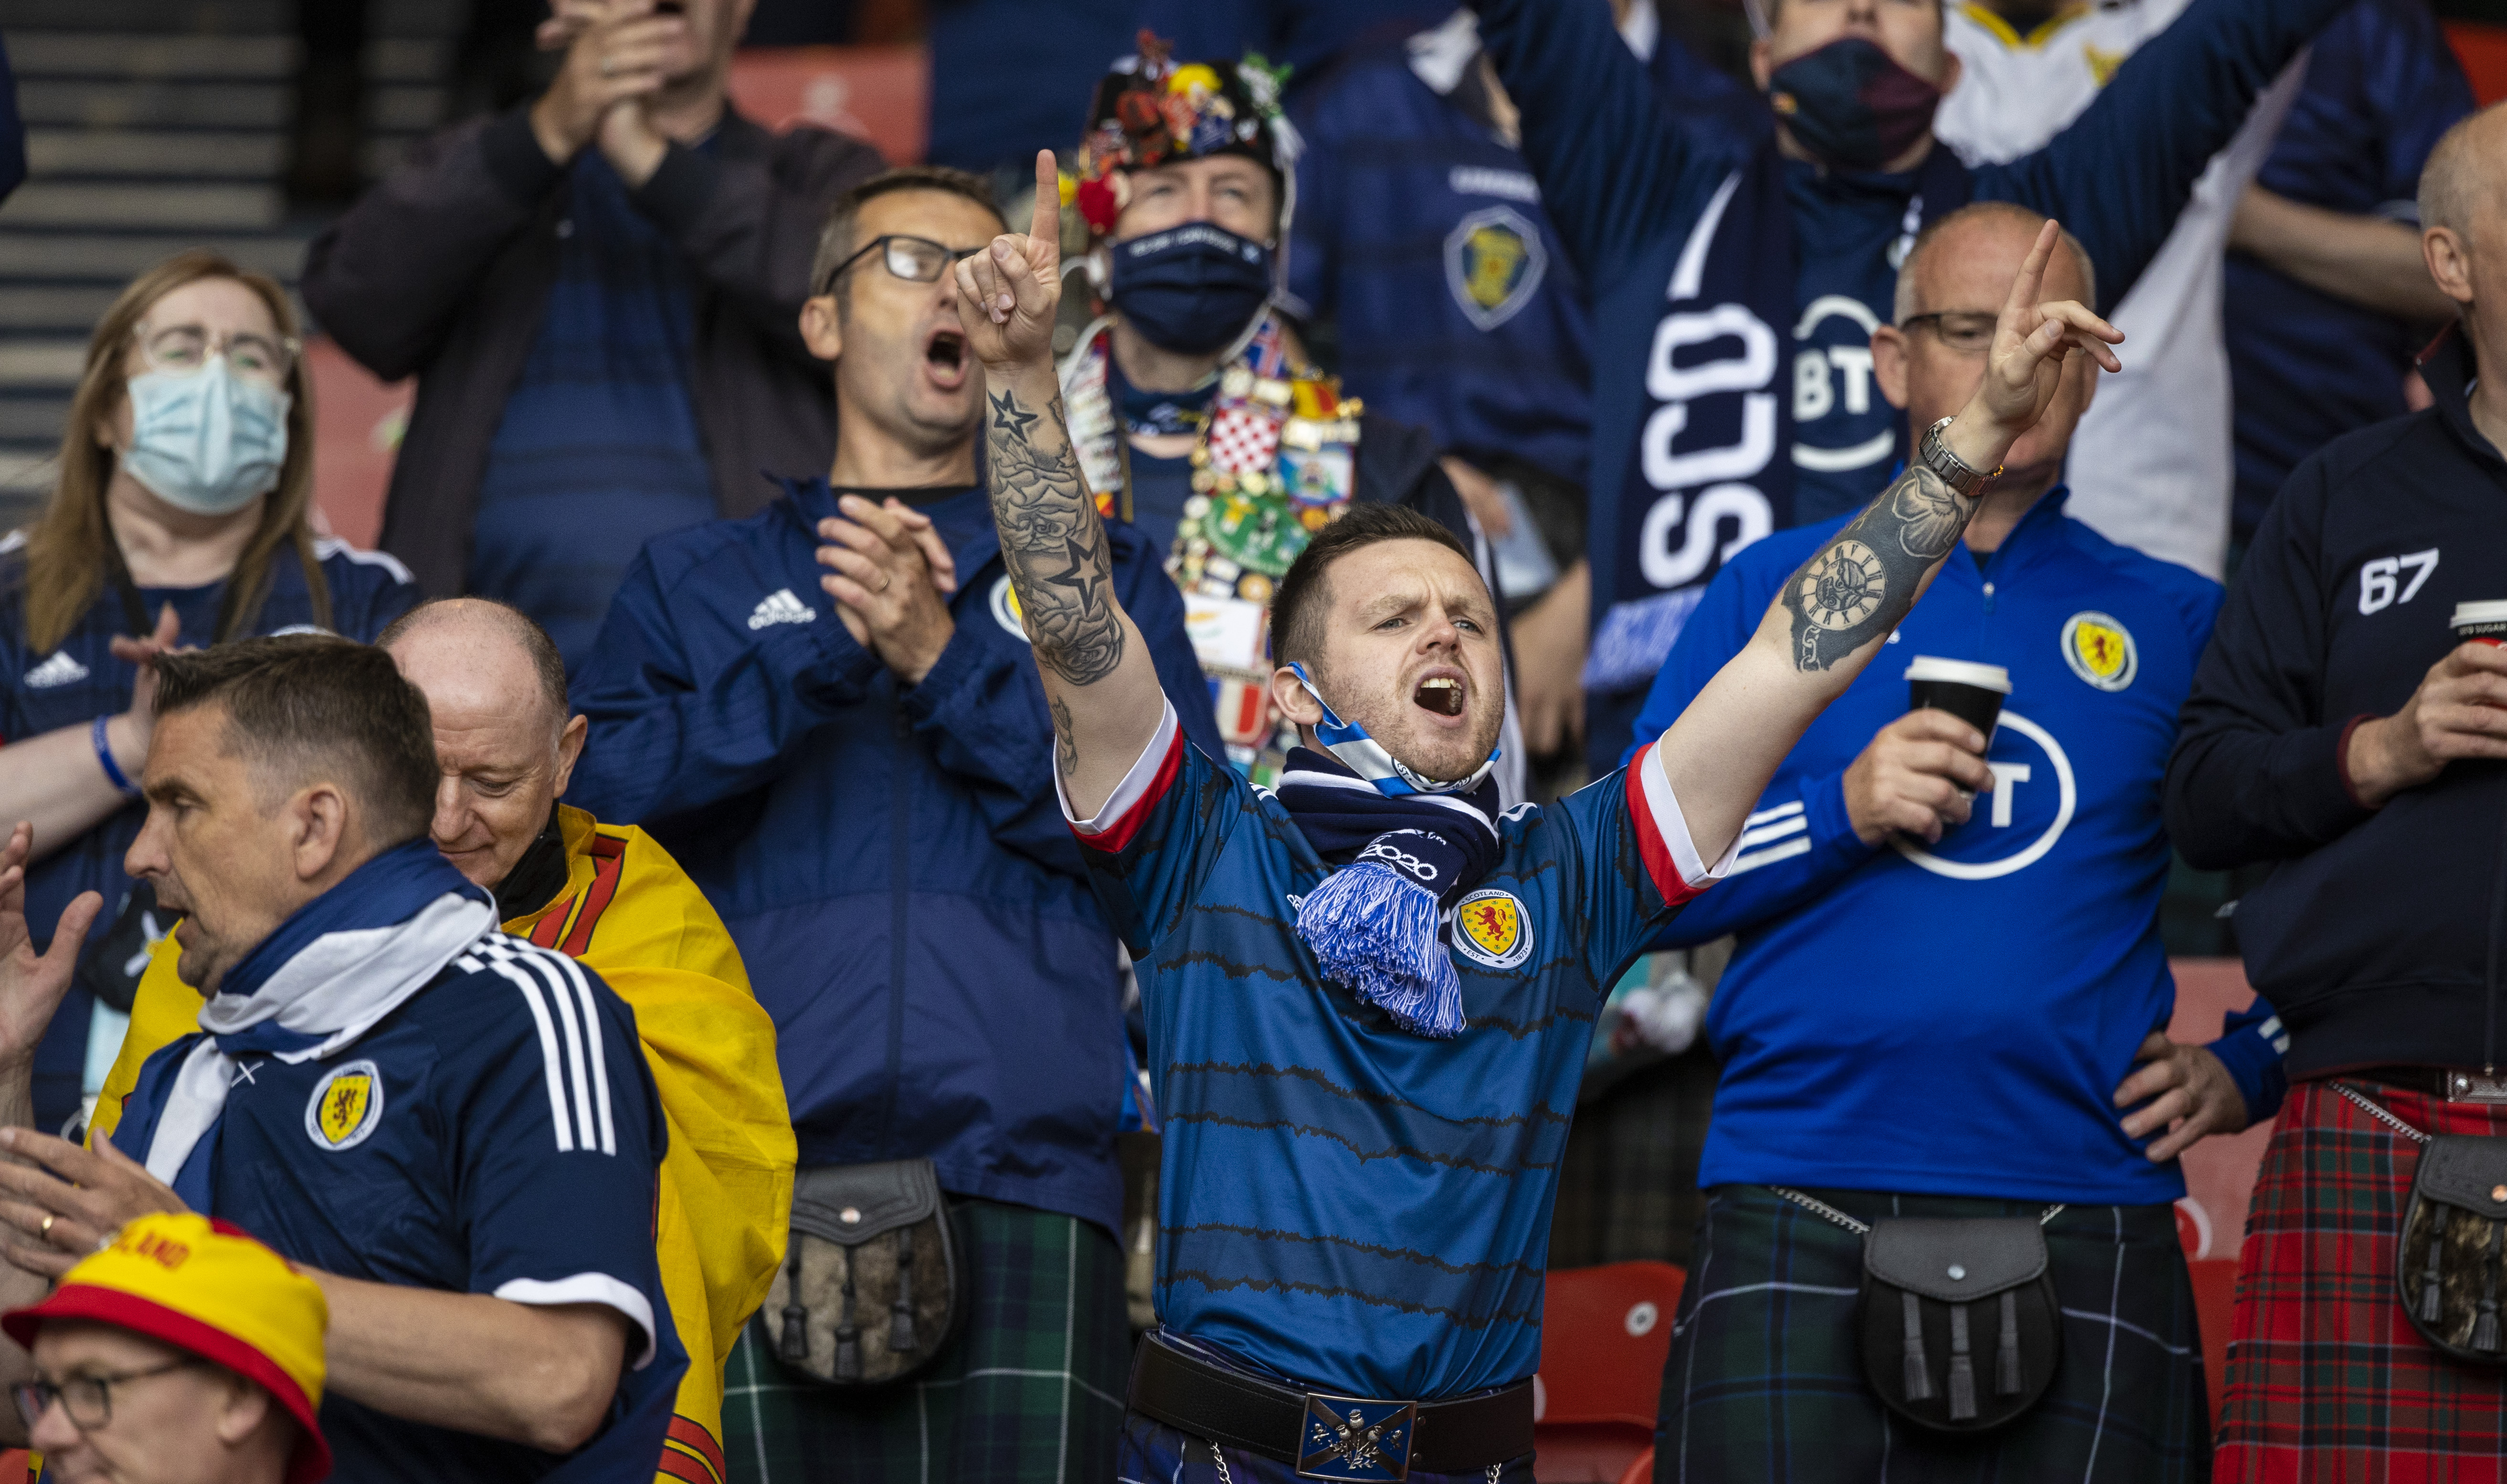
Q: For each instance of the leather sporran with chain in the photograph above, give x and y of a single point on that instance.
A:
(870, 1289)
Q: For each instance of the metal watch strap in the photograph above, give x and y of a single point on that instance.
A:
(1935, 454)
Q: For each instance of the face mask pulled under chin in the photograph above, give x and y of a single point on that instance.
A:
(1850, 104)
(1191, 289)
(208, 441)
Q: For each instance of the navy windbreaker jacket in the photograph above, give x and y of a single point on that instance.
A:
(891, 862)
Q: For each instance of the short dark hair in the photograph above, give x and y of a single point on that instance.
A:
(836, 240)
(1298, 603)
(519, 626)
(301, 702)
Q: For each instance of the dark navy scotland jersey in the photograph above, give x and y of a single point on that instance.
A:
(1343, 1202)
(497, 1133)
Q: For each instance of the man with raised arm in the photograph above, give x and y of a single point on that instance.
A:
(1368, 993)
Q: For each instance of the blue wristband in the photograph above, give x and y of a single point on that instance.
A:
(104, 755)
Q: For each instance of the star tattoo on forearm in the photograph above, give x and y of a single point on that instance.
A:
(1052, 542)
(1860, 584)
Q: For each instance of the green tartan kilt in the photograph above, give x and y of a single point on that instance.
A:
(1765, 1375)
(1031, 1390)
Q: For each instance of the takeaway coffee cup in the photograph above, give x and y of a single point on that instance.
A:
(2484, 621)
(1971, 691)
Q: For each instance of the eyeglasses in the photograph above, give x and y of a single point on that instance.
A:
(1961, 333)
(184, 349)
(916, 260)
(87, 1398)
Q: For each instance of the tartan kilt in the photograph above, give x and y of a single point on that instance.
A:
(2327, 1379)
(1766, 1378)
(1031, 1390)
(1153, 1453)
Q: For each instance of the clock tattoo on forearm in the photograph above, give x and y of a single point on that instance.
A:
(1861, 583)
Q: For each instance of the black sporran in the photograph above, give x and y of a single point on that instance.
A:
(871, 1287)
(1958, 1323)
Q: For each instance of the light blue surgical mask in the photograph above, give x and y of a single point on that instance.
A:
(207, 440)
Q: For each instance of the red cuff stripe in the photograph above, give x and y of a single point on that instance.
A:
(1120, 834)
(1650, 845)
(674, 1465)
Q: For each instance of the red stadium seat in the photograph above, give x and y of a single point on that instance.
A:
(1640, 1471)
(2215, 1303)
(1602, 1342)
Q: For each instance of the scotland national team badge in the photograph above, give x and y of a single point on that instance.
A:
(1006, 610)
(1489, 928)
(1494, 262)
(1351, 1438)
(345, 1105)
(2100, 650)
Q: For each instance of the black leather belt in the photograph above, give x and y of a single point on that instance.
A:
(1325, 1436)
(2456, 1084)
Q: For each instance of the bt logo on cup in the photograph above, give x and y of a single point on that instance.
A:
(1974, 693)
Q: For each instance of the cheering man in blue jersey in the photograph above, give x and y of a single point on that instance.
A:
(1736, 279)
(1885, 1067)
(1369, 993)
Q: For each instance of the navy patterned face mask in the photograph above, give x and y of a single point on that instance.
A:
(1850, 104)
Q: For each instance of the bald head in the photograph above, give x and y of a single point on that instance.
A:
(504, 739)
(1995, 235)
(2462, 180)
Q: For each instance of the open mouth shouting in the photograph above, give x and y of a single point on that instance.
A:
(944, 358)
(1442, 694)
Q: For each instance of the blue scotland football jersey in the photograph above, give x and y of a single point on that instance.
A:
(1347, 1204)
(497, 1134)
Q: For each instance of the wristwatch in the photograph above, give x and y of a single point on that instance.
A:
(1935, 454)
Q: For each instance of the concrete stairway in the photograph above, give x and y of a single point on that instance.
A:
(154, 126)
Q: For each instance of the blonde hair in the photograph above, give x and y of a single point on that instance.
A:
(67, 548)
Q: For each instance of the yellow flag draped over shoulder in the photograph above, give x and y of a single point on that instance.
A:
(631, 914)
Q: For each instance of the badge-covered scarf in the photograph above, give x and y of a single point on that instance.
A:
(342, 963)
(1405, 850)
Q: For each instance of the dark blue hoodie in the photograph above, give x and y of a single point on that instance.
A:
(891, 860)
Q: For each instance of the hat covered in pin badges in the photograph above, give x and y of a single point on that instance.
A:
(1152, 110)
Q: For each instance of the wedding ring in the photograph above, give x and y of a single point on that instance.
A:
(887, 580)
(45, 1229)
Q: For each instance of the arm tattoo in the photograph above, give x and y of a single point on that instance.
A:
(1863, 583)
(1053, 544)
(1066, 747)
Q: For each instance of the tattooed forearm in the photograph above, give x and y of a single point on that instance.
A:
(1066, 746)
(1053, 544)
(1861, 583)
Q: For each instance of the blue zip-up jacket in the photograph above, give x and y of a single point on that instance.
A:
(1954, 1019)
(81, 680)
(1626, 182)
(890, 860)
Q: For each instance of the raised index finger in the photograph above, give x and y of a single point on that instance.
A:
(2032, 272)
(1046, 229)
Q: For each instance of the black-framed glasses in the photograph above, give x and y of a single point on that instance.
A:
(1961, 331)
(916, 260)
(88, 1399)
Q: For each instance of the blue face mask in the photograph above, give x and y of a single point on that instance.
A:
(1192, 289)
(208, 441)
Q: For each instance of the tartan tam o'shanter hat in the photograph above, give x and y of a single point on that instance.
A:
(1152, 110)
(204, 1286)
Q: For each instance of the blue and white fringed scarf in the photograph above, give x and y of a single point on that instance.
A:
(1406, 849)
(337, 966)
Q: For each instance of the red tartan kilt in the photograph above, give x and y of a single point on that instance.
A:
(2327, 1380)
